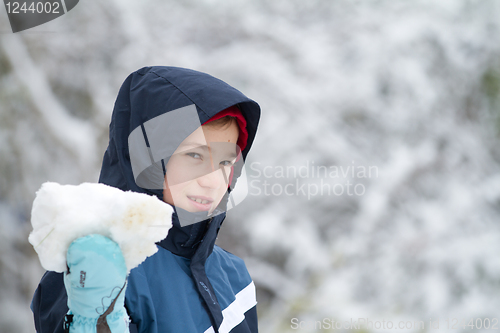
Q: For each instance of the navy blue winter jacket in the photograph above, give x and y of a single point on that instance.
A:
(190, 284)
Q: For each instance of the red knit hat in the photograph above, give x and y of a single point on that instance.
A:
(235, 112)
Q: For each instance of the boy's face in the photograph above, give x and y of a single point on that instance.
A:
(198, 172)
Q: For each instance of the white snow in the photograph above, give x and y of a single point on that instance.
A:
(63, 213)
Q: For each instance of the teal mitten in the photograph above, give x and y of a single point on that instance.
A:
(95, 283)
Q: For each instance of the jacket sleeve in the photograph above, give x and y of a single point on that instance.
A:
(251, 319)
(49, 304)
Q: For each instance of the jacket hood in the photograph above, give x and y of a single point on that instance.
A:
(152, 97)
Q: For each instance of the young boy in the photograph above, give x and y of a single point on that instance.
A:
(182, 136)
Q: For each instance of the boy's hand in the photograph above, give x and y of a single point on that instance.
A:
(95, 283)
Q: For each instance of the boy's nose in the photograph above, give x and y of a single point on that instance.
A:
(212, 180)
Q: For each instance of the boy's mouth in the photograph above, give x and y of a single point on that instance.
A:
(200, 202)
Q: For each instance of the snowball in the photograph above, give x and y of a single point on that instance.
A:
(63, 213)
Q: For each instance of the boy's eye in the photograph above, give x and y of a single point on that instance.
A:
(194, 155)
(226, 163)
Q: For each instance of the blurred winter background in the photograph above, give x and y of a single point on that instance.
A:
(408, 88)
